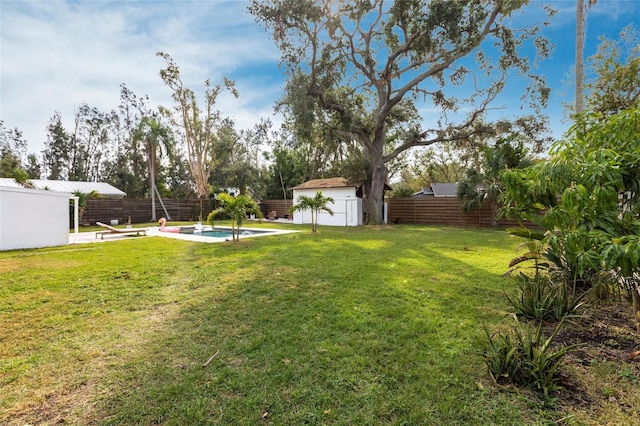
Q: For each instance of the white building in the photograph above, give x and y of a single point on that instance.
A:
(31, 218)
(102, 188)
(347, 204)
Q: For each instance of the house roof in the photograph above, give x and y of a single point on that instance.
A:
(444, 189)
(102, 188)
(438, 190)
(336, 182)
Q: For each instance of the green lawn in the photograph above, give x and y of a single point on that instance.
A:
(357, 326)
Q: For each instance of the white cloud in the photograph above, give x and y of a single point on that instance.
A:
(59, 54)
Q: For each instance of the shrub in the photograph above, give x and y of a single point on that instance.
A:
(541, 298)
(402, 190)
(524, 358)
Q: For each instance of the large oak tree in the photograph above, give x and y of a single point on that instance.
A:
(367, 66)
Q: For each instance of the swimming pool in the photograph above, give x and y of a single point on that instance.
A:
(226, 233)
(207, 234)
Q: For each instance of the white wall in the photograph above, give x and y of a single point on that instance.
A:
(347, 208)
(31, 218)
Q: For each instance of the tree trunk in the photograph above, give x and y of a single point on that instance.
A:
(314, 220)
(284, 191)
(580, 8)
(494, 213)
(374, 192)
(152, 189)
(635, 298)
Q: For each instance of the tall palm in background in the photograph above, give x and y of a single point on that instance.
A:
(155, 137)
(581, 17)
(315, 204)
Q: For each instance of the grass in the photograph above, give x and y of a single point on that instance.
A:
(347, 326)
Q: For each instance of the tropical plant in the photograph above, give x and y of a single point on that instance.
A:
(83, 199)
(567, 258)
(235, 208)
(541, 298)
(587, 198)
(314, 204)
(511, 150)
(154, 136)
(523, 357)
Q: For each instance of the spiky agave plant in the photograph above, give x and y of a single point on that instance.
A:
(526, 358)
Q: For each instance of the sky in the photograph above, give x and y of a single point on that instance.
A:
(56, 55)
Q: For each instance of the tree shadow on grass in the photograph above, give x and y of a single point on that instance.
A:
(335, 328)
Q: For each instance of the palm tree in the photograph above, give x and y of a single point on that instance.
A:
(235, 208)
(154, 136)
(21, 177)
(579, 105)
(580, 21)
(83, 199)
(315, 204)
(485, 186)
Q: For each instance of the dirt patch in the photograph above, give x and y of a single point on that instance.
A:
(606, 332)
(608, 355)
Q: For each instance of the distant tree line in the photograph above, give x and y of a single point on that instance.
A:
(136, 149)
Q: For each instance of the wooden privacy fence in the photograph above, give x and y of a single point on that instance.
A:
(107, 209)
(439, 211)
(410, 210)
(419, 210)
(281, 207)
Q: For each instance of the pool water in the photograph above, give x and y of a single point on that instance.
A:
(219, 233)
(216, 234)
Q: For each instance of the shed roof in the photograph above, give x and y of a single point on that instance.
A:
(336, 182)
(101, 188)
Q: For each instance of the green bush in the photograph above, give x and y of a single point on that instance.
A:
(402, 190)
(525, 358)
(541, 298)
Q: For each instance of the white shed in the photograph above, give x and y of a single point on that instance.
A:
(346, 206)
(31, 218)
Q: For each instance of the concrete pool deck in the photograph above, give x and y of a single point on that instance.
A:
(154, 231)
(90, 237)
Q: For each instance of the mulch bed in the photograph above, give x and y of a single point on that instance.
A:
(606, 333)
